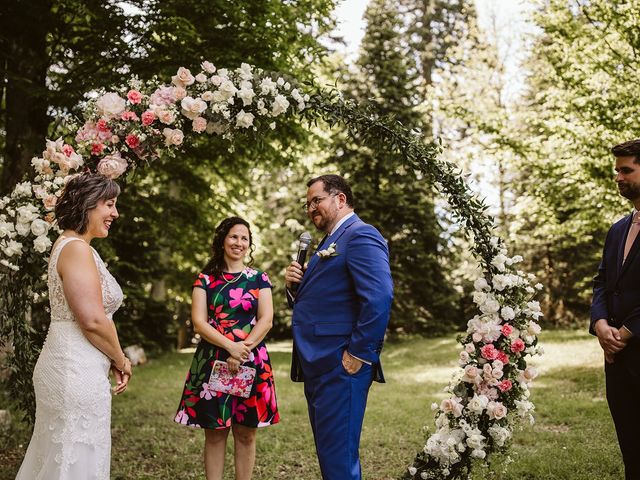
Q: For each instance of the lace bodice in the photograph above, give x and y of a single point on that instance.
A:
(111, 292)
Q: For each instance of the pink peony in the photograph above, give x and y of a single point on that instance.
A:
(148, 118)
(163, 96)
(489, 352)
(132, 141)
(505, 385)
(50, 202)
(517, 345)
(507, 330)
(134, 96)
(112, 166)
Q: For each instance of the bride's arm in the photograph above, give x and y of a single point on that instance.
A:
(238, 350)
(81, 285)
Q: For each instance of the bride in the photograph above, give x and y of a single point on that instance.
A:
(72, 433)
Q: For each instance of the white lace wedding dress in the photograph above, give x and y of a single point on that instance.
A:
(72, 434)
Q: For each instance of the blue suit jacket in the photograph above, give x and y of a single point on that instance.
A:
(343, 302)
(616, 287)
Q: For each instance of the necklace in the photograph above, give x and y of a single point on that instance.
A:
(235, 279)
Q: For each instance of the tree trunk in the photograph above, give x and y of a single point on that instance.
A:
(24, 28)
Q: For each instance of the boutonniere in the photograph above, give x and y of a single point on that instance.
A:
(330, 251)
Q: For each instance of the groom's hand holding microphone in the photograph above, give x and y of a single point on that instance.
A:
(295, 270)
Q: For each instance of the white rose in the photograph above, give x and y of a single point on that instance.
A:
(470, 348)
(279, 105)
(12, 248)
(207, 96)
(110, 105)
(6, 229)
(42, 244)
(201, 78)
(490, 306)
(499, 434)
(183, 78)
(507, 313)
(246, 95)
(280, 81)
(192, 107)
(216, 80)
(481, 284)
(39, 227)
(208, 67)
(499, 261)
(479, 298)
(173, 136)
(464, 357)
(267, 86)
(227, 90)
(470, 373)
(478, 403)
(533, 328)
(243, 119)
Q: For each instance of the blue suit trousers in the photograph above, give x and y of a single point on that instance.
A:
(337, 402)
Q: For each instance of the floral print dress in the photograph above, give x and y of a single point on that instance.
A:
(233, 307)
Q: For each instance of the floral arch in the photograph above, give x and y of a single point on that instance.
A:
(133, 126)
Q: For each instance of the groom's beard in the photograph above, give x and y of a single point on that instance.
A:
(629, 191)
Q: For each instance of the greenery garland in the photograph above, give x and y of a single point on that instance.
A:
(134, 126)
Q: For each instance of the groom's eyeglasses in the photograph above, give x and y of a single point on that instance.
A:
(315, 201)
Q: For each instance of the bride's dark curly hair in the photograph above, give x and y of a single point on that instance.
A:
(216, 264)
(81, 194)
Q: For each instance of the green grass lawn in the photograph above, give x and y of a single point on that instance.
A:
(573, 437)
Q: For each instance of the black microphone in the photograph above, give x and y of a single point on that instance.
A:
(303, 247)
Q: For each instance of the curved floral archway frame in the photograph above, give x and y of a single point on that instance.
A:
(134, 126)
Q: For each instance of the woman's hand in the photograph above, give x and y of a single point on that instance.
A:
(125, 367)
(122, 380)
(233, 364)
(239, 350)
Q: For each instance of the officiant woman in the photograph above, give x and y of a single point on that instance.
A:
(232, 311)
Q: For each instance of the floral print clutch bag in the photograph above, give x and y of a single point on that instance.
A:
(239, 384)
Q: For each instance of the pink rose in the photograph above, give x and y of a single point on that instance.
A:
(102, 125)
(134, 96)
(489, 352)
(505, 385)
(179, 93)
(67, 149)
(199, 124)
(496, 410)
(503, 357)
(173, 136)
(97, 148)
(451, 405)
(470, 374)
(183, 78)
(148, 118)
(50, 202)
(132, 141)
(529, 374)
(50, 217)
(112, 166)
(517, 345)
(165, 116)
(507, 330)
(129, 115)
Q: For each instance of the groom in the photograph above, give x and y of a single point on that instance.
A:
(341, 307)
(615, 310)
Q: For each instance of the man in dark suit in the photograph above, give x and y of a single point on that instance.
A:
(341, 309)
(615, 310)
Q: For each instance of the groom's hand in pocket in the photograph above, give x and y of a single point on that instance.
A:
(351, 364)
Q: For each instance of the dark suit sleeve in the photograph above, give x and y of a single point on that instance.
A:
(599, 307)
(368, 264)
(632, 322)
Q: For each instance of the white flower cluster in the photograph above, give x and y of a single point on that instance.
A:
(26, 216)
(221, 101)
(492, 385)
